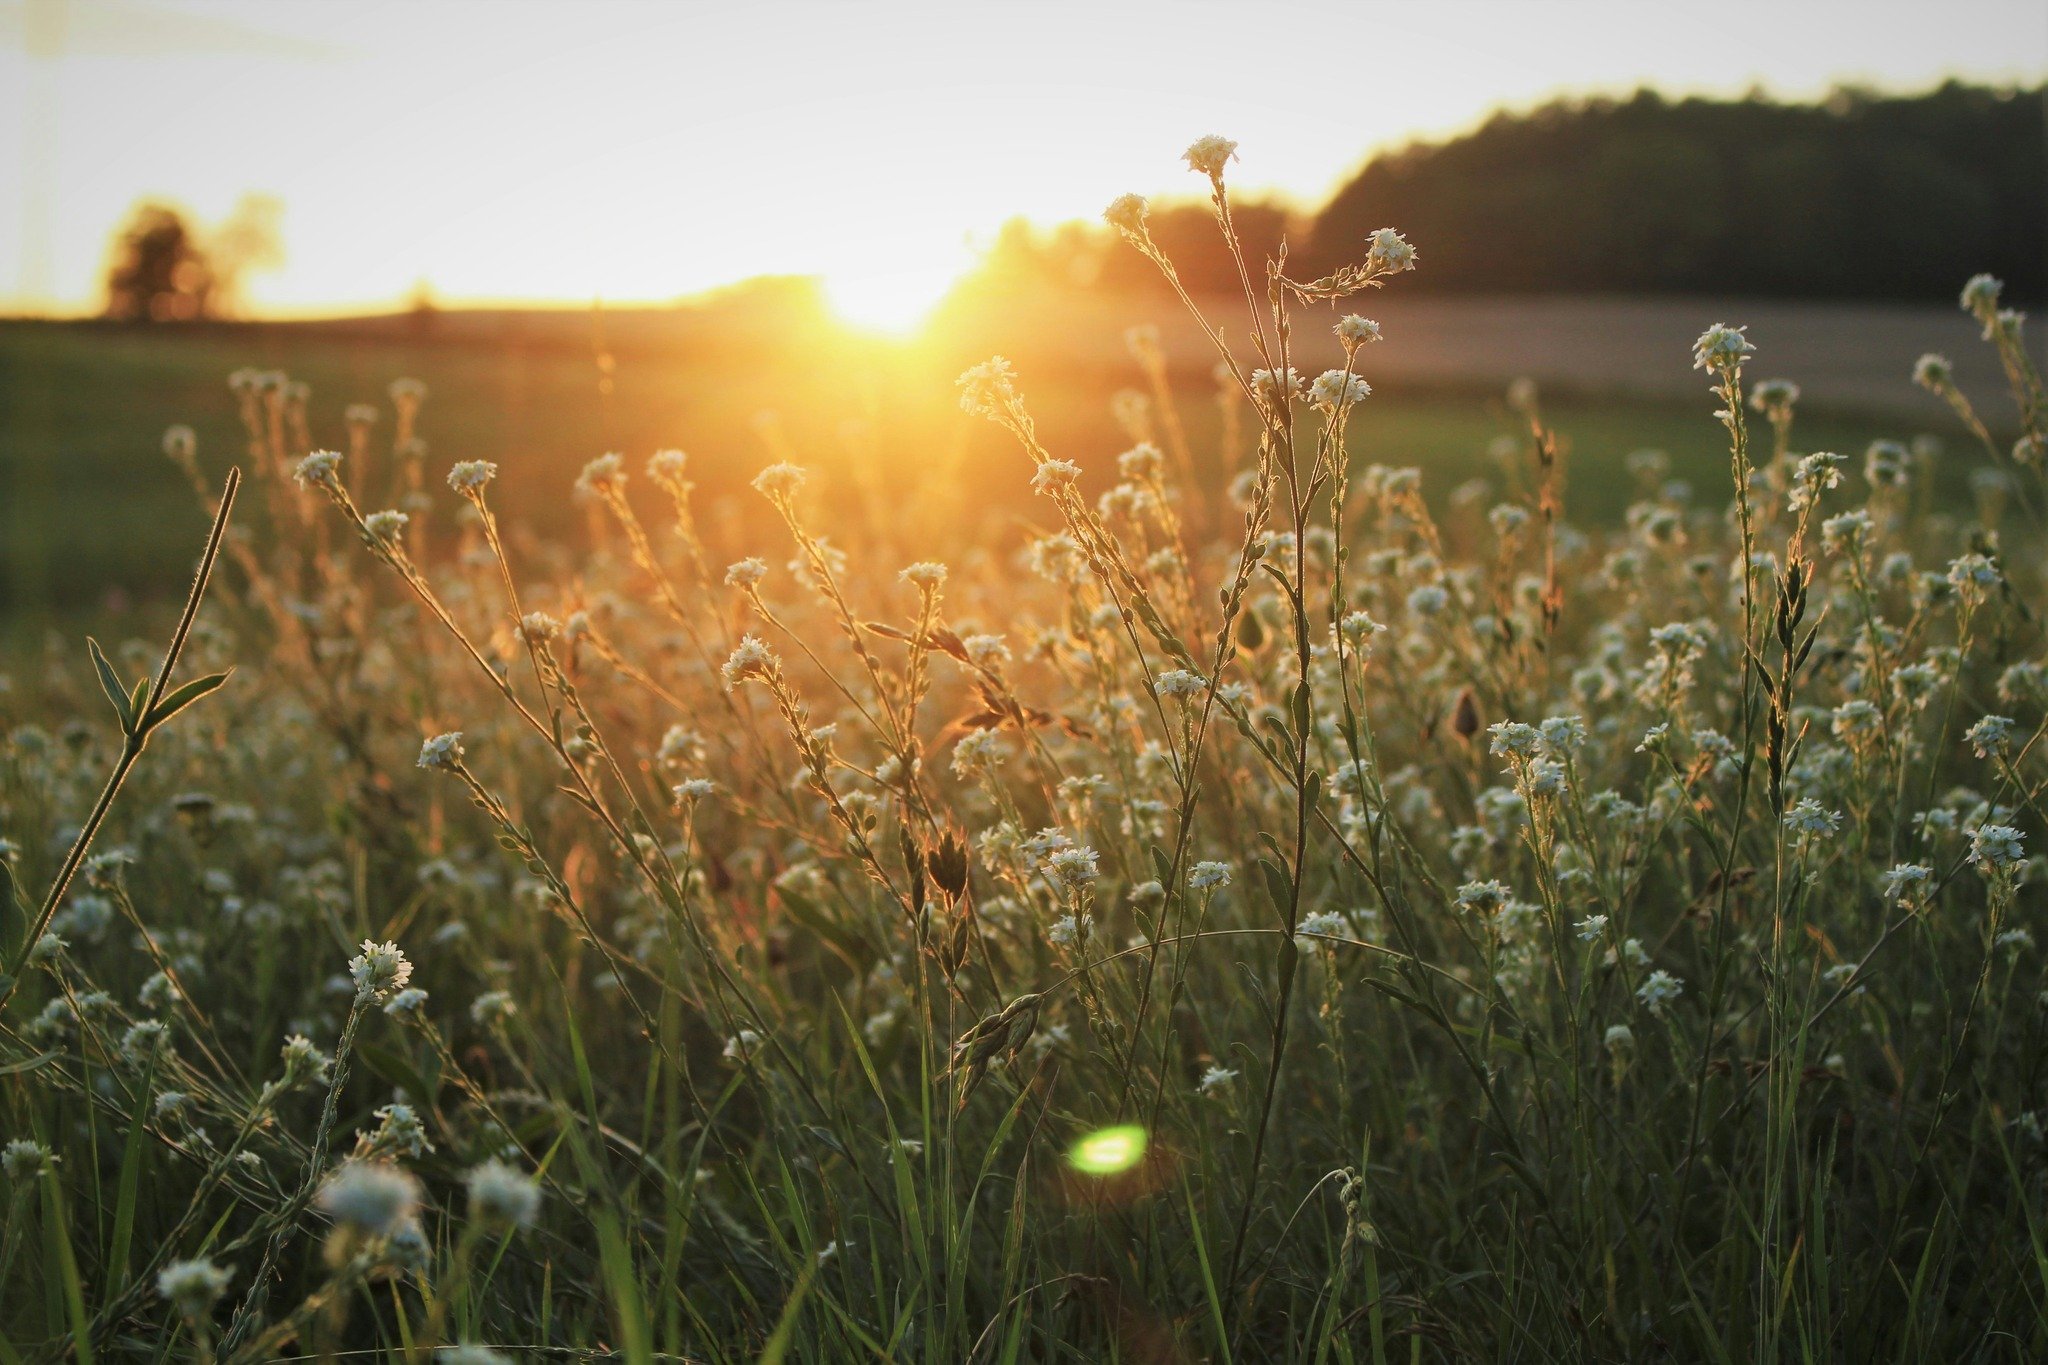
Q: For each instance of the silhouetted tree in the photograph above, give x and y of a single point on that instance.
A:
(248, 239)
(158, 272)
(162, 270)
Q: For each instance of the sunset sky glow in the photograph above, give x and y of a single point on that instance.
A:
(505, 150)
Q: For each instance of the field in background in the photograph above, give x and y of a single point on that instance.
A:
(91, 516)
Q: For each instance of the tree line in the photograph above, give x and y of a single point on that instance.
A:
(1859, 196)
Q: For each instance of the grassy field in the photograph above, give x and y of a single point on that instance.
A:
(94, 515)
(984, 872)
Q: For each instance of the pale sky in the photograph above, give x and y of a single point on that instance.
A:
(516, 149)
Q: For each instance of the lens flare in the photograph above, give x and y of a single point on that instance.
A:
(1109, 1151)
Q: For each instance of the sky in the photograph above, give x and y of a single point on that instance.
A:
(516, 150)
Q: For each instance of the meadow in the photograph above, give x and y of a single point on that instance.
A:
(1228, 862)
(83, 406)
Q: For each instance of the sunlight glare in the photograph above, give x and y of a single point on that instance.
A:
(889, 302)
(1109, 1151)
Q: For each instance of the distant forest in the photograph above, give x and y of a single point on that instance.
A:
(1862, 196)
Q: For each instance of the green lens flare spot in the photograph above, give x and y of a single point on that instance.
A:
(1109, 1151)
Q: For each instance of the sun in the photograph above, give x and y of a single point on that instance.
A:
(888, 301)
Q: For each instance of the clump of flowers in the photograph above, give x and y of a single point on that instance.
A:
(379, 971)
(193, 1286)
(1209, 155)
(1722, 349)
(442, 753)
(374, 1199)
(501, 1197)
(469, 477)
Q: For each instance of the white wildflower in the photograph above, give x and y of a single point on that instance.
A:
(1996, 847)
(1334, 389)
(602, 476)
(1073, 868)
(318, 470)
(989, 389)
(379, 971)
(985, 651)
(1810, 817)
(1907, 881)
(1483, 898)
(1389, 251)
(1052, 474)
(750, 659)
(1126, 213)
(375, 1198)
(1658, 990)
(979, 751)
(779, 482)
(442, 752)
(386, 527)
(24, 1159)
(406, 1004)
(1354, 330)
(1991, 736)
(1721, 349)
(1209, 155)
(502, 1197)
(192, 1286)
(468, 477)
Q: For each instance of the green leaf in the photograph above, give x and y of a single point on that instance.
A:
(184, 697)
(111, 684)
(1212, 1294)
(1395, 993)
(1277, 884)
(61, 1265)
(41, 1059)
(622, 1286)
(1523, 1173)
(785, 1327)
(1281, 579)
(581, 800)
(1162, 865)
(130, 1187)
